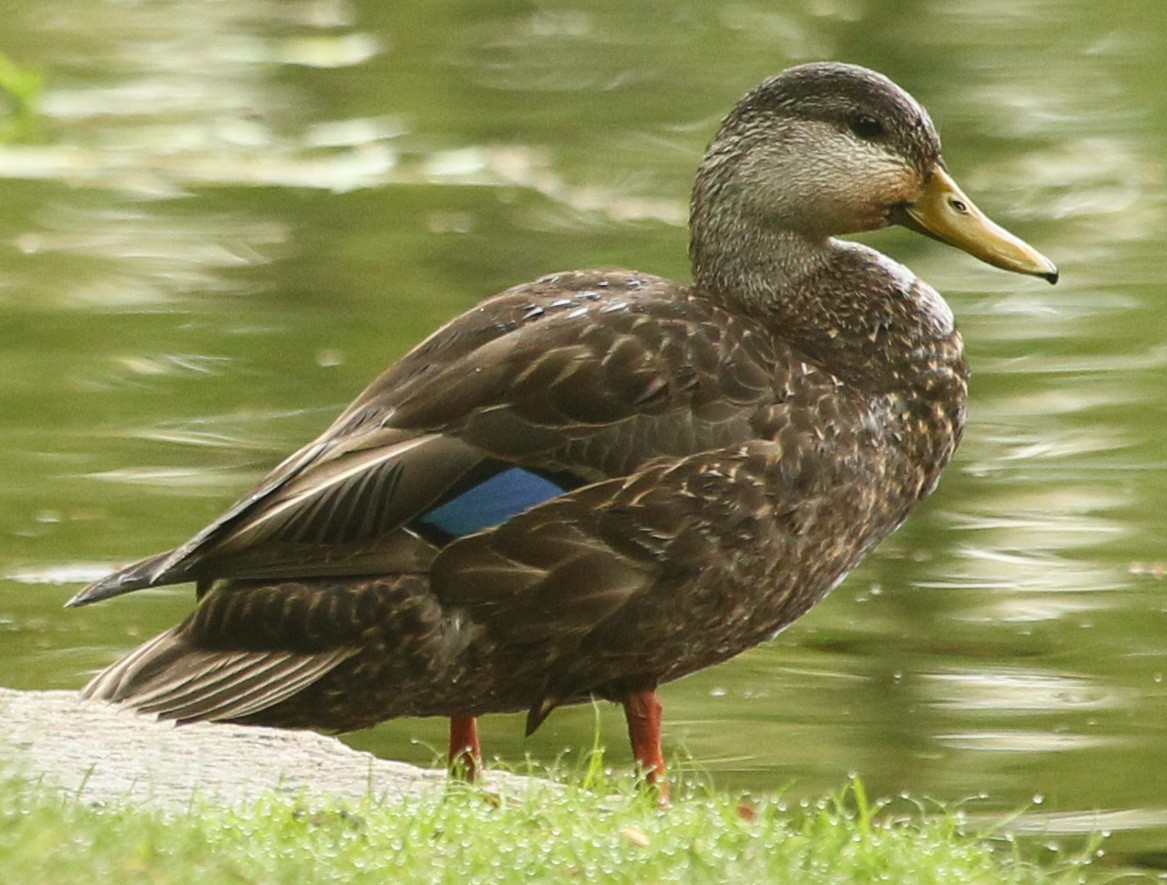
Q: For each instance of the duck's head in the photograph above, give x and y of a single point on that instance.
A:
(825, 149)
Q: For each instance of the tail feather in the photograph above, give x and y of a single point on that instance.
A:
(170, 679)
(241, 700)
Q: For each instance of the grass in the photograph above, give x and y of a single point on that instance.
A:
(606, 833)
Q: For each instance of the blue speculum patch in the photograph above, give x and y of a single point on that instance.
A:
(492, 502)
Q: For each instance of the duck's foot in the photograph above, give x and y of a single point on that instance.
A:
(643, 711)
(465, 759)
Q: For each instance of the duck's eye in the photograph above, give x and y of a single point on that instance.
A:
(866, 126)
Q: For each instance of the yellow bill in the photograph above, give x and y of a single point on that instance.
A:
(943, 212)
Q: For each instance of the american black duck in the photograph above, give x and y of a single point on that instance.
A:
(603, 480)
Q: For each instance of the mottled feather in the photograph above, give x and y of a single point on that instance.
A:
(601, 480)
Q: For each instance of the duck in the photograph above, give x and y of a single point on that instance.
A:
(601, 481)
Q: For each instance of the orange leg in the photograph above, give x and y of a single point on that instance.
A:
(465, 754)
(642, 709)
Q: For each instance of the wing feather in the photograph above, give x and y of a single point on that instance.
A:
(589, 373)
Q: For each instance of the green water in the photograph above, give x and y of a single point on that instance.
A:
(232, 215)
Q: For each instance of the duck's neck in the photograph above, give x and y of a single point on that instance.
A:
(849, 309)
(753, 267)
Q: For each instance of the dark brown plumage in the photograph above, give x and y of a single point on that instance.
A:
(603, 480)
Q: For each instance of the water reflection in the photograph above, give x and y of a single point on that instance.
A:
(1015, 691)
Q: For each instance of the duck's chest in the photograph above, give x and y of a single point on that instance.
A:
(897, 433)
(834, 489)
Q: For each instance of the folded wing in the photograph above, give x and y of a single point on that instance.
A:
(572, 379)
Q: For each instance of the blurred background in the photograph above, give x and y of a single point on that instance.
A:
(220, 219)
